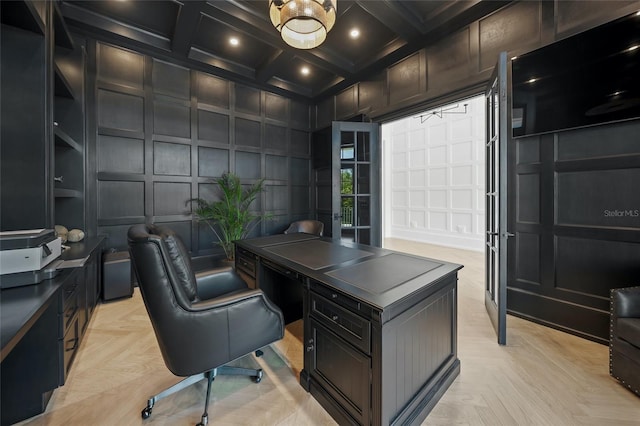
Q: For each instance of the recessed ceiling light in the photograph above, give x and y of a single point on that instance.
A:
(532, 80)
(354, 33)
(305, 71)
(632, 48)
(234, 41)
(514, 58)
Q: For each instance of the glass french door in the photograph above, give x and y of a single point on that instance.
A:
(495, 299)
(356, 182)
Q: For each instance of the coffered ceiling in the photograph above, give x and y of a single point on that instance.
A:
(197, 34)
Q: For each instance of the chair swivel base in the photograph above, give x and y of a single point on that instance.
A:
(255, 374)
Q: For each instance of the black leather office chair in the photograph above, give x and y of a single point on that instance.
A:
(624, 341)
(201, 323)
(309, 226)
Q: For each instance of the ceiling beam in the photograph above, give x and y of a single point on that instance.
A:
(273, 65)
(84, 18)
(395, 17)
(186, 26)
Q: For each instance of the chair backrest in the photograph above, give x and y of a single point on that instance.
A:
(309, 226)
(170, 253)
(168, 287)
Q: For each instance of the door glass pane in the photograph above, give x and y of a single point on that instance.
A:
(346, 180)
(347, 139)
(349, 235)
(364, 236)
(364, 147)
(364, 212)
(346, 211)
(346, 153)
(364, 179)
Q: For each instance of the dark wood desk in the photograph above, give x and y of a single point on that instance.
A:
(41, 326)
(380, 328)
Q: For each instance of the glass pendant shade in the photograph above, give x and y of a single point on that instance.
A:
(303, 24)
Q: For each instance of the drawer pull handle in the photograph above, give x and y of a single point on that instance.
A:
(334, 295)
(334, 317)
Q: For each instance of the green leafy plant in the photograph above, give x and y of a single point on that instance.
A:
(229, 217)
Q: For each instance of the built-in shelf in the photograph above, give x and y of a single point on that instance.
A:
(22, 14)
(62, 86)
(61, 32)
(63, 140)
(66, 193)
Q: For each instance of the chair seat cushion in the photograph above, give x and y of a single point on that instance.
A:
(629, 330)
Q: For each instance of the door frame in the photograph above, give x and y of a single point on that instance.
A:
(375, 169)
(496, 205)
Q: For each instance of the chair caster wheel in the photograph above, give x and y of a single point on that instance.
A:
(146, 413)
(258, 378)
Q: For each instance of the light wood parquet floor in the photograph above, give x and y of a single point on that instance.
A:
(541, 377)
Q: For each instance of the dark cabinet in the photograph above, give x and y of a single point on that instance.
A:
(343, 371)
(72, 313)
(79, 297)
(42, 173)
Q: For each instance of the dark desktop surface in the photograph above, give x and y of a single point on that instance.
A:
(375, 276)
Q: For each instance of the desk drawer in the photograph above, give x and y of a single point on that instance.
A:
(246, 262)
(341, 299)
(351, 327)
(70, 302)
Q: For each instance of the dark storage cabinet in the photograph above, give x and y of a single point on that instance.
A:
(117, 276)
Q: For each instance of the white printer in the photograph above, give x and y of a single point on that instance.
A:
(27, 256)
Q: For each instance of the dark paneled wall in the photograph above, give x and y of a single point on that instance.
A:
(576, 216)
(163, 132)
(459, 64)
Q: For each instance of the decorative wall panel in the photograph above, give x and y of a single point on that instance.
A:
(213, 127)
(247, 132)
(276, 167)
(574, 14)
(120, 66)
(212, 162)
(169, 198)
(275, 137)
(248, 165)
(247, 100)
(276, 109)
(172, 119)
(171, 159)
(346, 103)
(450, 59)
(406, 78)
(212, 90)
(131, 195)
(120, 111)
(300, 143)
(120, 155)
(519, 24)
(171, 80)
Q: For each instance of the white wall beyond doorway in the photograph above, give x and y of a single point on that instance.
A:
(433, 177)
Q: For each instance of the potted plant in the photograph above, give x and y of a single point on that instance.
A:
(229, 216)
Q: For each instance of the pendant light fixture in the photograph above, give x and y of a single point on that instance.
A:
(303, 24)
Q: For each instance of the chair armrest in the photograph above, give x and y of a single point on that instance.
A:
(233, 298)
(625, 302)
(218, 281)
